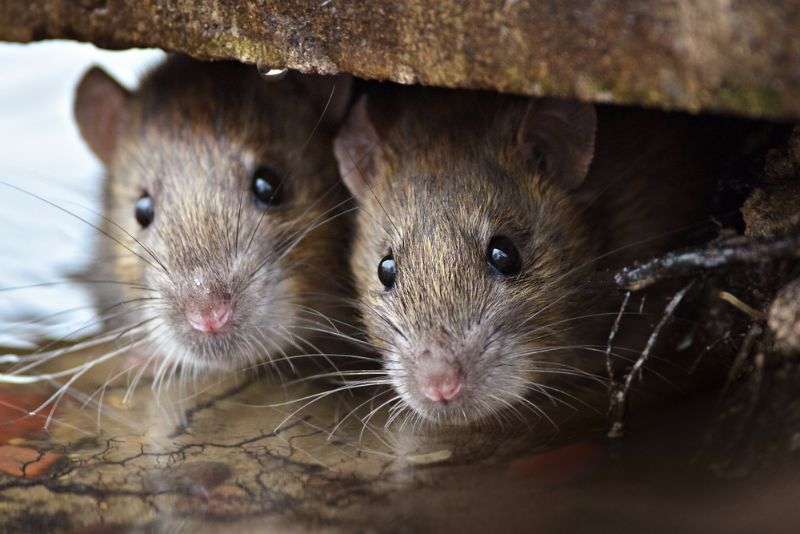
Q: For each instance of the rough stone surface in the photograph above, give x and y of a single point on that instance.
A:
(784, 317)
(773, 207)
(726, 55)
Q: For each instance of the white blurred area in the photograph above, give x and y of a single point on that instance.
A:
(42, 152)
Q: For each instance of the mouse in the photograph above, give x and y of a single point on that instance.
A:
(223, 218)
(486, 223)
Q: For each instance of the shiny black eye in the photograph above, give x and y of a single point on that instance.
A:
(267, 187)
(387, 271)
(145, 210)
(503, 256)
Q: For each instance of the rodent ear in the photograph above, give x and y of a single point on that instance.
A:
(562, 134)
(100, 110)
(331, 94)
(357, 149)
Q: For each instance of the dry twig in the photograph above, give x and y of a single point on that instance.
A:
(619, 395)
(736, 250)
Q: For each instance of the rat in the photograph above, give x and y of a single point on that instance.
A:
(221, 240)
(485, 224)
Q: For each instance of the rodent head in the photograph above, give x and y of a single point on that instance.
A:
(470, 252)
(227, 192)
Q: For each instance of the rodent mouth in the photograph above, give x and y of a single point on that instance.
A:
(454, 407)
(451, 413)
(219, 350)
(463, 402)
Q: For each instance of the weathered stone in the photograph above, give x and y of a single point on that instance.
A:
(774, 209)
(784, 317)
(721, 55)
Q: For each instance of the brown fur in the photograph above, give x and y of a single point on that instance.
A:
(191, 136)
(445, 174)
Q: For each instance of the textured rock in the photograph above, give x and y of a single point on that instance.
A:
(774, 207)
(784, 317)
(688, 54)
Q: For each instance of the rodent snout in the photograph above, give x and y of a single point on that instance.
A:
(210, 318)
(441, 384)
(442, 389)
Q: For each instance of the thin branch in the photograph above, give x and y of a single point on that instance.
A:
(733, 251)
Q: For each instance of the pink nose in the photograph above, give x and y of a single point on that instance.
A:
(210, 319)
(442, 387)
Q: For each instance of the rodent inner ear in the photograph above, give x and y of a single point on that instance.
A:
(144, 210)
(387, 271)
(358, 151)
(503, 256)
(330, 94)
(559, 136)
(100, 110)
(267, 186)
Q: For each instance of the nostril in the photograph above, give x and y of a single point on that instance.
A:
(220, 314)
(442, 388)
(210, 318)
(449, 390)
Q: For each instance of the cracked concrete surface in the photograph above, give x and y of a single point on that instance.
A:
(226, 455)
(223, 457)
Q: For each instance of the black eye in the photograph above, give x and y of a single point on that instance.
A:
(145, 210)
(503, 256)
(267, 186)
(387, 271)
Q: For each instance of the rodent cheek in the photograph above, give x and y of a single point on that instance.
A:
(159, 281)
(271, 303)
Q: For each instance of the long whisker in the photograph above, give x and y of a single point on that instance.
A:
(76, 216)
(350, 413)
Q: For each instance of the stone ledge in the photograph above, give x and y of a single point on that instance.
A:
(718, 55)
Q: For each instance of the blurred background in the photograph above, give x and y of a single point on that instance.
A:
(42, 152)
